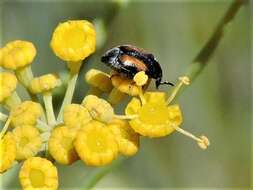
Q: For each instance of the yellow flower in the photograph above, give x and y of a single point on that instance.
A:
(44, 83)
(28, 141)
(127, 138)
(140, 78)
(155, 119)
(76, 116)
(38, 173)
(61, 145)
(95, 144)
(74, 40)
(26, 113)
(8, 83)
(17, 54)
(7, 152)
(98, 108)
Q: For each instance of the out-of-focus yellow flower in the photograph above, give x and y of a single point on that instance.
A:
(127, 138)
(7, 152)
(38, 173)
(155, 117)
(17, 54)
(8, 83)
(76, 116)
(98, 108)
(95, 144)
(28, 141)
(74, 40)
(61, 145)
(26, 113)
(44, 83)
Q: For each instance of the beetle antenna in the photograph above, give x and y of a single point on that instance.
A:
(167, 83)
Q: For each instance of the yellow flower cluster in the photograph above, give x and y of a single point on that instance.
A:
(91, 130)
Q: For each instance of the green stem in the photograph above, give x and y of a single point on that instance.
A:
(3, 117)
(47, 98)
(12, 101)
(5, 128)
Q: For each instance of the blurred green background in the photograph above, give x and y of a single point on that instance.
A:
(217, 104)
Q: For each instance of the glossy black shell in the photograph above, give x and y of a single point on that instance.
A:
(113, 58)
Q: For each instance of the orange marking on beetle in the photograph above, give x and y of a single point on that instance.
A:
(132, 60)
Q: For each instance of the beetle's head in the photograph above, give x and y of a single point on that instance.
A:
(110, 56)
(159, 82)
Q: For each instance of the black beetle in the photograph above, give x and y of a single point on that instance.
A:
(129, 60)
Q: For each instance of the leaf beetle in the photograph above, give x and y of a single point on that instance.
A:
(129, 60)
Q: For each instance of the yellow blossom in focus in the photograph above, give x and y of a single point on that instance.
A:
(7, 152)
(98, 108)
(96, 144)
(8, 83)
(17, 54)
(74, 40)
(156, 118)
(76, 116)
(25, 113)
(127, 138)
(140, 78)
(28, 141)
(61, 145)
(44, 83)
(38, 173)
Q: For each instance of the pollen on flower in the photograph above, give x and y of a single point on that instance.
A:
(7, 152)
(17, 54)
(96, 144)
(28, 141)
(61, 145)
(140, 78)
(74, 40)
(25, 113)
(38, 173)
(44, 83)
(8, 83)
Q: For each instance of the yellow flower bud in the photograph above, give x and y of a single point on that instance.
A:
(17, 54)
(38, 173)
(28, 141)
(76, 116)
(98, 108)
(8, 83)
(140, 78)
(74, 40)
(61, 145)
(25, 113)
(44, 83)
(95, 144)
(7, 152)
(127, 138)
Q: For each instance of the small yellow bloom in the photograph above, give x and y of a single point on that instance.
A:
(95, 144)
(98, 108)
(7, 152)
(17, 54)
(155, 117)
(74, 40)
(76, 116)
(44, 83)
(38, 173)
(61, 145)
(28, 141)
(140, 78)
(26, 113)
(127, 138)
(8, 83)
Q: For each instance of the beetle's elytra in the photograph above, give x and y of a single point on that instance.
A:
(129, 60)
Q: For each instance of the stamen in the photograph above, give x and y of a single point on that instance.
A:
(126, 116)
(202, 141)
(141, 95)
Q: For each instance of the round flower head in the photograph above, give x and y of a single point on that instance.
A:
(7, 152)
(76, 116)
(127, 138)
(61, 145)
(17, 54)
(74, 40)
(98, 108)
(8, 83)
(44, 83)
(155, 117)
(26, 113)
(95, 144)
(28, 141)
(38, 173)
